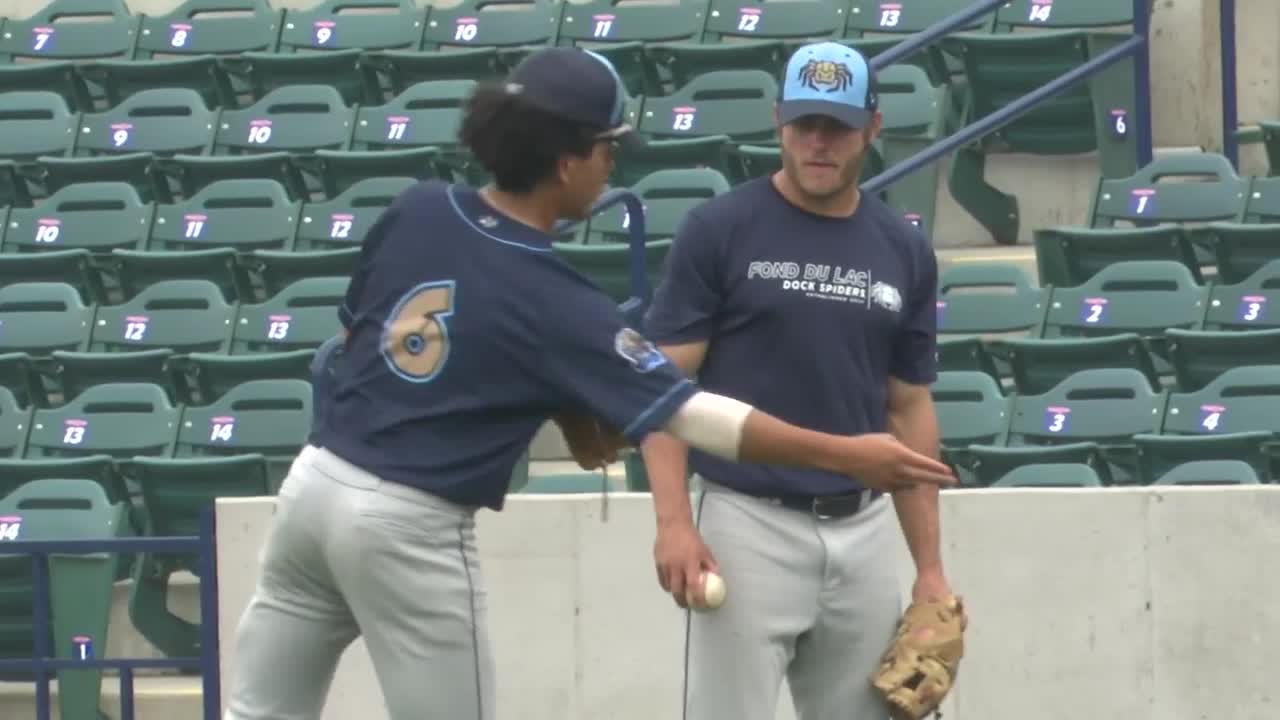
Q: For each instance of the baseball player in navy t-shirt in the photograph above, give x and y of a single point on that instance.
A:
(465, 334)
(813, 301)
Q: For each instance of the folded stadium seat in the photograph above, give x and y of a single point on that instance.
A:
(601, 252)
(323, 43)
(749, 35)
(80, 585)
(341, 223)
(915, 117)
(1232, 418)
(134, 341)
(1242, 247)
(1028, 48)
(290, 122)
(621, 32)
(977, 301)
(275, 339)
(470, 40)
(95, 436)
(415, 134)
(45, 48)
(1040, 475)
(199, 238)
(38, 319)
(68, 236)
(1210, 472)
(1147, 216)
(33, 124)
(120, 144)
(180, 49)
(972, 410)
(1090, 417)
(695, 125)
(873, 26)
(329, 235)
(1116, 319)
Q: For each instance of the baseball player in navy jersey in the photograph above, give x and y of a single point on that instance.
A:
(456, 352)
(812, 301)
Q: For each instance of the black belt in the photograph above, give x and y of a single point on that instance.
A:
(830, 506)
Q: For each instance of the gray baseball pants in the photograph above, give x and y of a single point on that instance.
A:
(813, 600)
(351, 555)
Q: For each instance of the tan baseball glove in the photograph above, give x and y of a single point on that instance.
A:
(919, 667)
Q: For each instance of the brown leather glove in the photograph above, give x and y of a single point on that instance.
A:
(919, 668)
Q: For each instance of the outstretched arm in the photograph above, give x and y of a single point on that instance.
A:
(913, 421)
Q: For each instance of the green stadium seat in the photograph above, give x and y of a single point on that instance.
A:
(180, 49)
(873, 26)
(199, 238)
(750, 34)
(1090, 417)
(45, 46)
(415, 134)
(288, 122)
(303, 315)
(343, 221)
(80, 585)
(1231, 418)
(1242, 247)
(1130, 303)
(622, 31)
(1057, 475)
(696, 125)
(915, 116)
(1199, 356)
(667, 195)
(1246, 305)
(175, 491)
(66, 237)
(1157, 204)
(977, 301)
(34, 124)
(275, 339)
(162, 121)
(323, 43)
(1027, 51)
(271, 418)
(1210, 472)
(117, 419)
(134, 341)
(470, 40)
(972, 410)
(38, 319)
(15, 423)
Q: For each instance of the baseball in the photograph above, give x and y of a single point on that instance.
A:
(712, 590)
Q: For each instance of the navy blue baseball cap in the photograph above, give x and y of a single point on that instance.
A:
(577, 85)
(831, 79)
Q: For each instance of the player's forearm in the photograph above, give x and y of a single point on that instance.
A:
(916, 427)
(666, 460)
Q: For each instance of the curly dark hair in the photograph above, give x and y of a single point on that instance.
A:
(517, 142)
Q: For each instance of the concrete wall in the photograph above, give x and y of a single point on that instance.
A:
(1186, 89)
(1124, 604)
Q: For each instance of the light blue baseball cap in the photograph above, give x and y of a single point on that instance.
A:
(831, 79)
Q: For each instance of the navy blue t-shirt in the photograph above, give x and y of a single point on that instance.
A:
(466, 334)
(807, 318)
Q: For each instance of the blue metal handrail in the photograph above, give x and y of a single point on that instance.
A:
(204, 545)
(1137, 46)
(637, 268)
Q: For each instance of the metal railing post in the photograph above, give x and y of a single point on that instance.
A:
(1230, 108)
(930, 34)
(1142, 79)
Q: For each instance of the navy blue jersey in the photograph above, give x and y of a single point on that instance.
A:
(466, 334)
(807, 318)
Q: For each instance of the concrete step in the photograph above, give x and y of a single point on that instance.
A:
(154, 698)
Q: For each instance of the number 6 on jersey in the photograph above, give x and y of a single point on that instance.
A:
(415, 340)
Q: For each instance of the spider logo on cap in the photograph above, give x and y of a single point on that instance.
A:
(825, 72)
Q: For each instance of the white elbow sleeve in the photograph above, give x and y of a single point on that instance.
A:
(712, 423)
